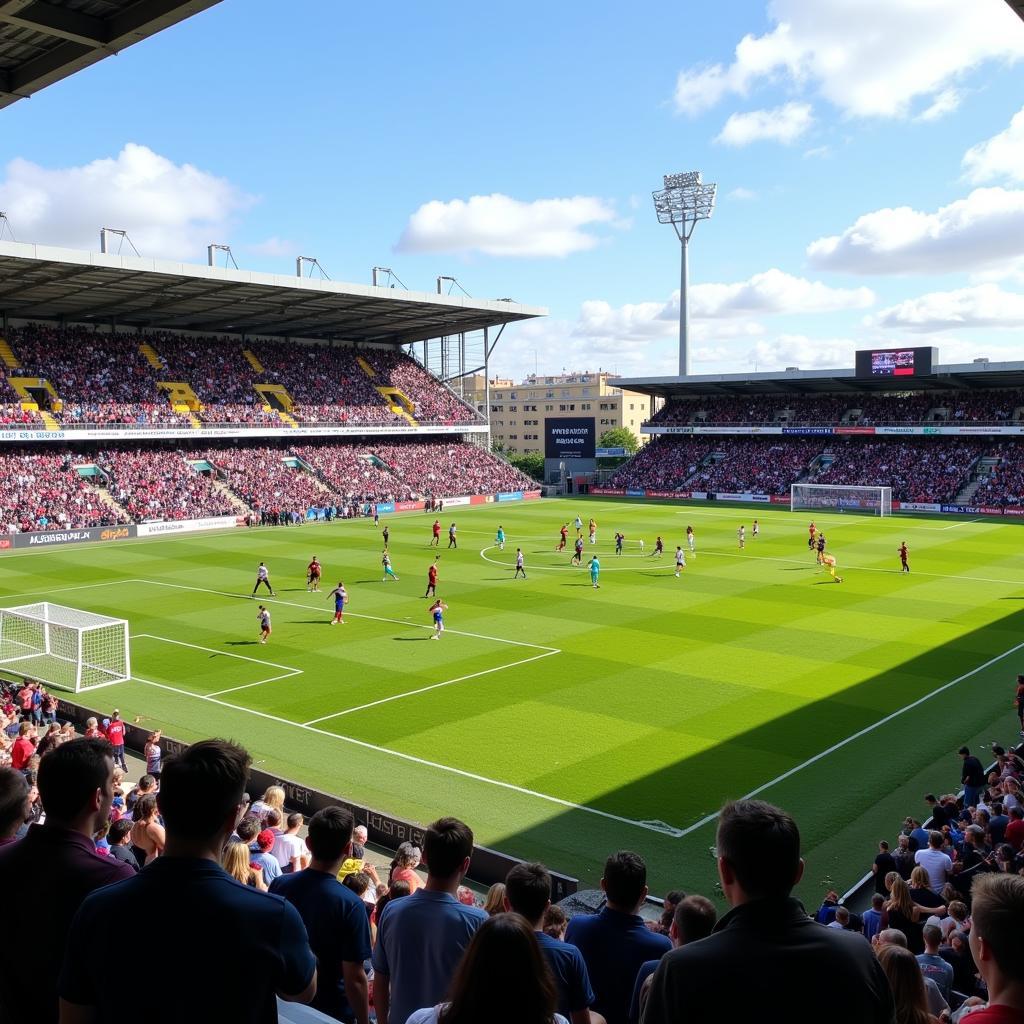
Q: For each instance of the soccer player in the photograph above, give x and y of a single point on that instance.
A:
(756, 529)
(904, 565)
(593, 531)
(741, 535)
(376, 515)
(264, 617)
(499, 538)
(388, 571)
(313, 577)
(595, 571)
(452, 542)
(659, 548)
(432, 579)
(829, 561)
(578, 523)
(340, 597)
(680, 560)
(563, 534)
(578, 553)
(820, 544)
(263, 576)
(691, 541)
(386, 534)
(437, 610)
(435, 540)
(519, 564)
(619, 538)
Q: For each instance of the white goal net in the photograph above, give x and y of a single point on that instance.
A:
(64, 647)
(875, 500)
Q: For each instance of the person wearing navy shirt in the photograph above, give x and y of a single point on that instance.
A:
(766, 954)
(57, 866)
(528, 893)
(616, 942)
(972, 777)
(334, 916)
(216, 950)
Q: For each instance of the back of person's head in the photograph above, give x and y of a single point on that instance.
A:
(118, 830)
(248, 828)
(272, 817)
(358, 882)
(494, 901)
(919, 878)
(13, 800)
(528, 890)
(958, 910)
(554, 922)
(694, 919)
(201, 788)
(70, 775)
(907, 984)
(145, 807)
(147, 782)
(843, 915)
(761, 845)
(964, 751)
(295, 820)
(330, 832)
(997, 915)
(447, 843)
(932, 935)
(892, 937)
(935, 840)
(1017, 812)
(877, 901)
(625, 880)
(503, 977)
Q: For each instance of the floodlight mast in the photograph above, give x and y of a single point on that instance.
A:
(682, 202)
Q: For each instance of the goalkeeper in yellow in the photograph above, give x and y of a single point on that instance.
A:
(829, 561)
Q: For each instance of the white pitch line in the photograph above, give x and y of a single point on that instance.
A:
(354, 615)
(212, 650)
(425, 689)
(966, 522)
(413, 759)
(259, 682)
(61, 590)
(856, 736)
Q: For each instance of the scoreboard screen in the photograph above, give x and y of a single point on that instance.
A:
(895, 362)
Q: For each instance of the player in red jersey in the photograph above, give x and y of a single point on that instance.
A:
(432, 579)
(435, 540)
(904, 565)
(313, 576)
(563, 535)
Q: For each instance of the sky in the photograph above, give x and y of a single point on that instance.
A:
(869, 157)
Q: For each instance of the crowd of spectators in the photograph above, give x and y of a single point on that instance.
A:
(663, 464)
(12, 415)
(432, 401)
(757, 465)
(1005, 484)
(449, 468)
(352, 473)
(263, 478)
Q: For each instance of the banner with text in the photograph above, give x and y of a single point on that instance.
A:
(570, 438)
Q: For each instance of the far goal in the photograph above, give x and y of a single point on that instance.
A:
(64, 647)
(811, 497)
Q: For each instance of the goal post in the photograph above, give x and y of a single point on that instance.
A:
(811, 497)
(64, 647)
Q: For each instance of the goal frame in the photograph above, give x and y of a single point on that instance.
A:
(881, 506)
(61, 652)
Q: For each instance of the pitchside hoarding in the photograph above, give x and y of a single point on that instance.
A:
(570, 438)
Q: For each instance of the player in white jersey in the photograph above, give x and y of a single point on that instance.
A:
(519, 564)
(264, 616)
(680, 561)
(263, 578)
(691, 541)
(741, 535)
(756, 530)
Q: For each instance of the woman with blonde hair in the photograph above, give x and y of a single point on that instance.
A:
(495, 901)
(906, 915)
(907, 984)
(272, 798)
(235, 861)
(92, 729)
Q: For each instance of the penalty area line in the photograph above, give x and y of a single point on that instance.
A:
(423, 762)
(708, 818)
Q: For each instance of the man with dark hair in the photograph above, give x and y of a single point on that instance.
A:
(934, 966)
(997, 943)
(766, 952)
(214, 939)
(118, 838)
(58, 865)
(339, 930)
(14, 806)
(421, 938)
(616, 942)
(972, 777)
(528, 893)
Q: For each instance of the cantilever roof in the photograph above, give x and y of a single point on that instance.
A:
(44, 41)
(1017, 5)
(44, 283)
(952, 377)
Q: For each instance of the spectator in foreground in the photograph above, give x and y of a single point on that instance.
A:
(997, 942)
(14, 809)
(337, 923)
(503, 978)
(222, 950)
(907, 985)
(528, 893)
(57, 866)
(616, 942)
(421, 938)
(766, 952)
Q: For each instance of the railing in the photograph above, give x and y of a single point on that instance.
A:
(804, 422)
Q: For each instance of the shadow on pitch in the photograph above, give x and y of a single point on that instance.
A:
(410, 639)
(242, 643)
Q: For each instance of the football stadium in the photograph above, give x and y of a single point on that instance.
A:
(286, 635)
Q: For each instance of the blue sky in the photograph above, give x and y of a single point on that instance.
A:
(870, 171)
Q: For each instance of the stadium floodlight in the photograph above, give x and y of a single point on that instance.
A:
(683, 201)
(211, 254)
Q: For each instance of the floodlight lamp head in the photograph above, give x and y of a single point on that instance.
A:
(682, 179)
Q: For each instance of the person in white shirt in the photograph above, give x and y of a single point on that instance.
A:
(938, 864)
(289, 849)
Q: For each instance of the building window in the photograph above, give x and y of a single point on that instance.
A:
(549, 408)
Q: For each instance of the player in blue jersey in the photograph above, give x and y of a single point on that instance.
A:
(595, 571)
(437, 610)
(264, 616)
(340, 597)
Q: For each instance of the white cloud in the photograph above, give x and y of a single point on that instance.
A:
(982, 230)
(980, 306)
(945, 103)
(275, 246)
(501, 226)
(781, 124)
(821, 152)
(743, 194)
(869, 58)
(169, 210)
(774, 291)
(799, 350)
(1002, 156)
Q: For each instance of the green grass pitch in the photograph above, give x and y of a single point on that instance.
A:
(564, 722)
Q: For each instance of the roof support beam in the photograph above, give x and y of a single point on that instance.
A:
(73, 26)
